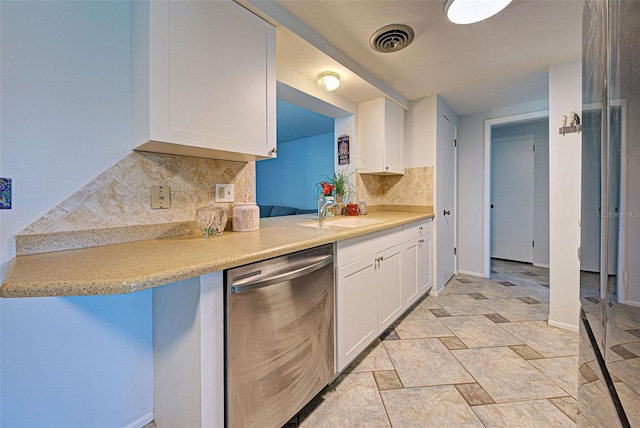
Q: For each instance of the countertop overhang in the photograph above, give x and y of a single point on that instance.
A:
(135, 266)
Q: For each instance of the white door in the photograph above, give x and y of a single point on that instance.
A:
(445, 200)
(512, 198)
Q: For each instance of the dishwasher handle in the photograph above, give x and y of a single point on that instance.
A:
(287, 276)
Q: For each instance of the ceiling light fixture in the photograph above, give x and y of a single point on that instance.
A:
(472, 11)
(329, 81)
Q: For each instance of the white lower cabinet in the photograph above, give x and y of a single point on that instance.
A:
(409, 283)
(356, 309)
(389, 278)
(425, 271)
(377, 279)
(415, 278)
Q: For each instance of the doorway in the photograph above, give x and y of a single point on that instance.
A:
(516, 184)
(512, 194)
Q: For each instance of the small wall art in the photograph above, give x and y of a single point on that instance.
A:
(5, 193)
(343, 150)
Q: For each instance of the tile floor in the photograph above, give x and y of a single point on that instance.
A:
(480, 354)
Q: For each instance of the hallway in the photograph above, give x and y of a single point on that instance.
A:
(480, 354)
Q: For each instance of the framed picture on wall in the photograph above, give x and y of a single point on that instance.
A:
(343, 150)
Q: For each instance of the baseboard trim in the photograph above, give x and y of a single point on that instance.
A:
(467, 272)
(631, 303)
(563, 325)
(435, 292)
(140, 422)
(540, 265)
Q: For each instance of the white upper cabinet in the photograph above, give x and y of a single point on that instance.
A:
(203, 80)
(381, 137)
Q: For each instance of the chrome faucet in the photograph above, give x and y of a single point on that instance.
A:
(322, 212)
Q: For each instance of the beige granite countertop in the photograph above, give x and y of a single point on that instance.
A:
(134, 266)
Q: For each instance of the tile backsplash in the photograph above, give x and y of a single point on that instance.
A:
(121, 195)
(415, 187)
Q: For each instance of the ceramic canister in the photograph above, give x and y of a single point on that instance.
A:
(246, 217)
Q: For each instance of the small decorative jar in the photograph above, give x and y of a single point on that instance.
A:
(246, 217)
(211, 220)
(362, 208)
(352, 209)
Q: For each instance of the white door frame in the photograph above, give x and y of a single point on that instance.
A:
(486, 197)
(621, 262)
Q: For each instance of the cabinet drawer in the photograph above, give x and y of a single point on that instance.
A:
(417, 229)
(351, 250)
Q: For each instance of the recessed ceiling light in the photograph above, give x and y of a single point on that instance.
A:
(329, 81)
(471, 11)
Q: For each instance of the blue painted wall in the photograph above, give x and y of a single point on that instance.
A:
(289, 180)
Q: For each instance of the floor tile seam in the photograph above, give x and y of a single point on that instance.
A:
(489, 347)
(394, 367)
(431, 386)
(472, 383)
(562, 411)
(530, 345)
(470, 374)
(544, 357)
(526, 400)
(554, 382)
(384, 406)
(449, 351)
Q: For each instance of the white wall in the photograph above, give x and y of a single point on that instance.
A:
(470, 183)
(84, 361)
(290, 179)
(565, 96)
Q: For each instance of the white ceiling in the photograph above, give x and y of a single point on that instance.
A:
(498, 62)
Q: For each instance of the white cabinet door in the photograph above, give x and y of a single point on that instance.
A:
(394, 138)
(388, 280)
(356, 306)
(409, 288)
(381, 137)
(425, 264)
(203, 80)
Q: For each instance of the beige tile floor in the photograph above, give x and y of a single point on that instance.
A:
(479, 355)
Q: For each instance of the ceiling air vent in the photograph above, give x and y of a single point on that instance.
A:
(392, 38)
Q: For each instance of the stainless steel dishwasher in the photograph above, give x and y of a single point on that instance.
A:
(279, 329)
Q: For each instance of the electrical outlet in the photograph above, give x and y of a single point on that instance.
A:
(160, 197)
(224, 193)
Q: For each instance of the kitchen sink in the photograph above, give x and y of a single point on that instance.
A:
(347, 223)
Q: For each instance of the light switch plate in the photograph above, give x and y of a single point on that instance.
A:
(224, 193)
(160, 197)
